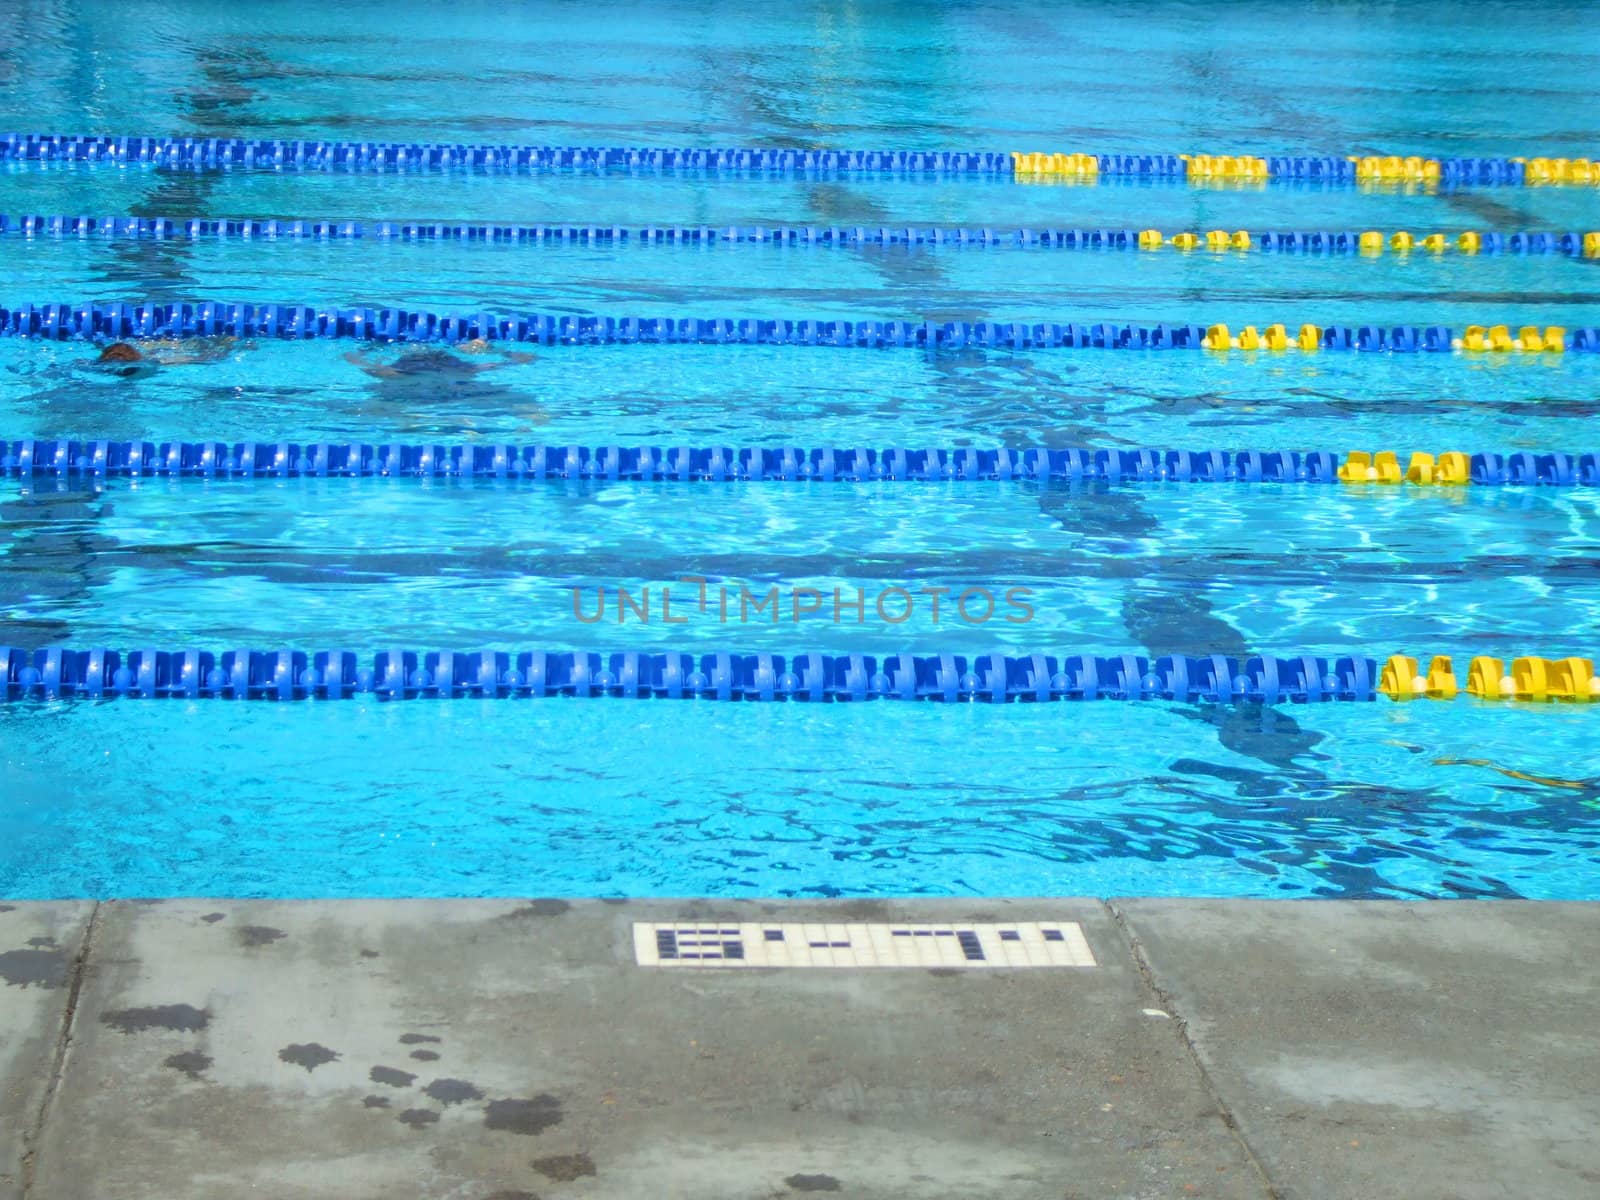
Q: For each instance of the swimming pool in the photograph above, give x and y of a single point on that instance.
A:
(567, 797)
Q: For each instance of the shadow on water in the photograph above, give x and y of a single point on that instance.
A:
(1166, 617)
(157, 272)
(741, 82)
(65, 559)
(1303, 833)
(53, 562)
(1213, 72)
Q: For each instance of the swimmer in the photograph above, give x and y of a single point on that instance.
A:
(426, 381)
(434, 360)
(128, 361)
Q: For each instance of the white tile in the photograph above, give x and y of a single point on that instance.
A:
(871, 945)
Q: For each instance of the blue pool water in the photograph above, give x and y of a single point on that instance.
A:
(595, 798)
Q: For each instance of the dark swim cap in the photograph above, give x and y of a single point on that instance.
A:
(431, 362)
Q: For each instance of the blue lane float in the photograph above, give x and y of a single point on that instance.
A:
(1573, 244)
(30, 459)
(272, 154)
(365, 157)
(289, 674)
(113, 321)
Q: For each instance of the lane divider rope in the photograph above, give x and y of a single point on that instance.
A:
(61, 322)
(215, 153)
(1372, 168)
(1489, 679)
(290, 674)
(1368, 243)
(29, 459)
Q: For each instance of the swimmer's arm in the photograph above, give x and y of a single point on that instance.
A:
(513, 358)
(376, 370)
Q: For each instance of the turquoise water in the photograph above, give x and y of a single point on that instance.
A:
(372, 563)
(596, 798)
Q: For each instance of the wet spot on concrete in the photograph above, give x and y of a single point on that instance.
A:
(260, 935)
(564, 1168)
(612, 900)
(512, 1196)
(391, 1077)
(369, 954)
(180, 1018)
(8, 908)
(308, 1055)
(418, 1117)
(424, 1056)
(813, 1183)
(375, 1102)
(37, 968)
(941, 972)
(213, 918)
(452, 1091)
(416, 1039)
(190, 1062)
(42, 941)
(539, 908)
(523, 1116)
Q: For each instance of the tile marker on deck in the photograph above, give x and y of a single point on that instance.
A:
(958, 944)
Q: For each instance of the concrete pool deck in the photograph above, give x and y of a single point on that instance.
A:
(502, 1050)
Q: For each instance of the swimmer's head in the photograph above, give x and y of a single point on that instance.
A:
(123, 361)
(475, 346)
